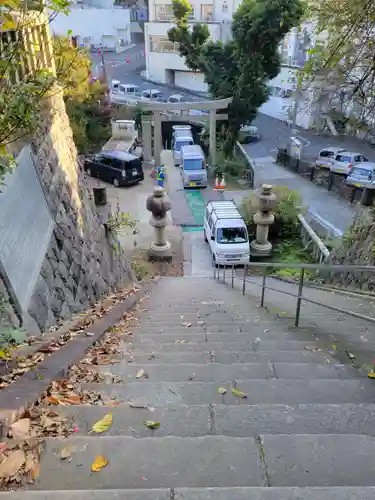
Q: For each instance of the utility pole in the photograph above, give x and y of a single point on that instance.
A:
(293, 131)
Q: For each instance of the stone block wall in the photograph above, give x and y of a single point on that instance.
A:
(79, 266)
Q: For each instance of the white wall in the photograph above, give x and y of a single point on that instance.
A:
(94, 23)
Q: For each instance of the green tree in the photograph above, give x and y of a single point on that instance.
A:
(86, 105)
(22, 89)
(342, 63)
(242, 67)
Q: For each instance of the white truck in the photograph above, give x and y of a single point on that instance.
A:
(226, 233)
(124, 138)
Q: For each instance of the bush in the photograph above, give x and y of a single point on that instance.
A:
(288, 207)
(232, 168)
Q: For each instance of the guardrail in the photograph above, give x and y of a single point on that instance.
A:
(312, 241)
(301, 282)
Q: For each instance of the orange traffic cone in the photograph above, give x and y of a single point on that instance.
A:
(222, 185)
(217, 183)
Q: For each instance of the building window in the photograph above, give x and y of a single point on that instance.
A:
(162, 44)
(207, 13)
(165, 13)
(224, 7)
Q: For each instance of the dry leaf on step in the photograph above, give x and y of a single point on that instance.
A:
(99, 463)
(66, 452)
(192, 376)
(238, 394)
(222, 390)
(186, 324)
(151, 424)
(140, 374)
(104, 424)
(12, 464)
(21, 428)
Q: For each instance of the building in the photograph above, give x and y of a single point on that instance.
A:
(164, 64)
(96, 23)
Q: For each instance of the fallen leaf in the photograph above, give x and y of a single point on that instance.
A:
(66, 452)
(350, 355)
(21, 428)
(192, 376)
(35, 470)
(99, 463)
(266, 330)
(200, 323)
(3, 447)
(186, 324)
(364, 338)
(136, 405)
(89, 334)
(222, 390)
(52, 400)
(238, 394)
(140, 374)
(371, 375)
(151, 424)
(104, 424)
(12, 464)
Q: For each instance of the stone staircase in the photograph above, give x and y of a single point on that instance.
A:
(305, 430)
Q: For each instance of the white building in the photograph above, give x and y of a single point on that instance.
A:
(164, 64)
(96, 23)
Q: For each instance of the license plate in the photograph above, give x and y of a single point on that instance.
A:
(193, 184)
(232, 256)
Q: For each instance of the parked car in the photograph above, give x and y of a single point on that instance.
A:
(117, 167)
(345, 161)
(152, 95)
(326, 156)
(362, 175)
(176, 98)
(248, 133)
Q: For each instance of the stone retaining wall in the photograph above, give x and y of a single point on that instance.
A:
(79, 266)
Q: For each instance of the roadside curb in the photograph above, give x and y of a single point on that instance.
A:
(24, 392)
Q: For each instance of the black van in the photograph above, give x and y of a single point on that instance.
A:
(117, 167)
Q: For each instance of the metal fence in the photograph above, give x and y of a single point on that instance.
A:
(222, 273)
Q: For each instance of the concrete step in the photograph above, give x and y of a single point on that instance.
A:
(250, 345)
(281, 391)
(226, 373)
(214, 315)
(211, 461)
(188, 338)
(233, 493)
(152, 462)
(217, 327)
(235, 421)
(231, 357)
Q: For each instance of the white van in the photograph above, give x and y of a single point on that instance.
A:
(226, 233)
(193, 167)
(180, 139)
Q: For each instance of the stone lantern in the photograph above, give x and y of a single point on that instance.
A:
(263, 218)
(158, 204)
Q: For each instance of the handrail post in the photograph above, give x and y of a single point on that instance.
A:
(232, 275)
(218, 272)
(224, 273)
(264, 278)
(244, 279)
(299, 298)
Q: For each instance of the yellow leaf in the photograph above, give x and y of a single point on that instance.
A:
(140, 373)
(371, 375)
(104, 424)
(151, 424)
(99, 463)
(21, 428)
(222, 390)
(238, 394)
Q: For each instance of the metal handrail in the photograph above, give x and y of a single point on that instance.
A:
(299, 296)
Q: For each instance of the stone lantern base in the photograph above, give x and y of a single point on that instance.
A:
(259, 250)
(158, 253)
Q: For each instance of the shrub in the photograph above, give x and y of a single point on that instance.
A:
(288, 207)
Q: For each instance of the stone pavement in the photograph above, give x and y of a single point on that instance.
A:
(304, 430)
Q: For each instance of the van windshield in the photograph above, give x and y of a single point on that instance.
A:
(232, 235)
(179, 144)
(193, 164)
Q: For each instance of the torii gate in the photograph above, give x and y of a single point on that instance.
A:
(157, 108)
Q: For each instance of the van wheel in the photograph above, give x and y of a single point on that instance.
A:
(116, 182)
(205, 237)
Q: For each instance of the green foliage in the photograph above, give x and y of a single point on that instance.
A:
(89, 116)
(286, 225)
(21, 98)
(232, 167)
(289, 251)
(242, 67)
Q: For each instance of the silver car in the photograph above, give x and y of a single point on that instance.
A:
(362, 175)
(326, 156)
(345, 161)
